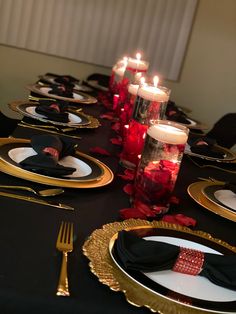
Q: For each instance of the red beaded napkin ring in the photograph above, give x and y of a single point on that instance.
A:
(189, 262)
(51, 151)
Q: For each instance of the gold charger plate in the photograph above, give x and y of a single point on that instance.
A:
(105, 179)
(82, 98)
(96, 248)
(195, 191)
(91, 122)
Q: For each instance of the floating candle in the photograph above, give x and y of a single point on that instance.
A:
(152, 93)
(136, 64)
(168, 134)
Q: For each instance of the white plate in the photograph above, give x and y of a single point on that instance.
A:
(73, 118)
(82, 169)
(192, 286)
(226, 197)
(46, 90)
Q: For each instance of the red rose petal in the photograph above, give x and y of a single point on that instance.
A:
(116, 140)
(127, 213)
(108, 116)
(99, 150)
(180, 219)
(129, 189)
(128, 175)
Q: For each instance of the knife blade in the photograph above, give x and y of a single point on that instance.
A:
(36, 200)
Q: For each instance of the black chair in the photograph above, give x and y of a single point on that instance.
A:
(224, 131)
(7, 125)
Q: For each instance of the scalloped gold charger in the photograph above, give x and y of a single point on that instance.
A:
(99, 245)
(78, 96)
(195, 190)
(16, 171)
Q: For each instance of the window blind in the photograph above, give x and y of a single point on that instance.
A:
(101, 31)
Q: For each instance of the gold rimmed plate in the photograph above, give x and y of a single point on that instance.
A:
(78, 96)
(176, 294)
(220, 196)
(195, 191)
(229, 156)
(76, 119)
(51, 79)
(90, 172)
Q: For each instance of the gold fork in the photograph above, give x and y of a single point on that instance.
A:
(65, 245)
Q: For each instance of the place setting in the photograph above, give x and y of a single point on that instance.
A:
(216, 196)
(133, 266)
(62, 92)
(57, 79)
(52, 160)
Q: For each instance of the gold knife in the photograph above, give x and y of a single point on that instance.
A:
(36, 200)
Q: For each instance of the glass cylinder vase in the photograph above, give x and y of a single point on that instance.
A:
(150, 105)
(159, 165)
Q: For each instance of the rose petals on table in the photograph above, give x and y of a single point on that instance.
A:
(128, 175)
(116, 126)
(116, 140)
(99, 151)
(180, 219)
(108, 116)
(127, 213)
(128, 189)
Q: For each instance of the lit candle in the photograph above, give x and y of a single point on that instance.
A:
(168, 134)
(137, 64)
(153, 93)
(133, 89)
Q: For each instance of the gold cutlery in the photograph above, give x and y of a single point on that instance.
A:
(47, 130)
(65, 245)
(40, 98)
(50, 127)
(44, 193)
(36, 200)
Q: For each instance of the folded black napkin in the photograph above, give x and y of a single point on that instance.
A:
(205, 146)
(61, 90)
(50, 149)
(102, 79)
(54, 110)
(146, 255)
(173, 113)
(230, 186)
(63, 79)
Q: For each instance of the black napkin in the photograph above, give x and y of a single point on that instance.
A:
(230, 186)
(63, 79)
(102, 79)
(46, 162)
(146, 255)
(205, 146)
(61, 90)
(54, 110)
(173, 113)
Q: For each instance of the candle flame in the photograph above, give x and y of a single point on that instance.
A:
(155, 80)
(138, 56)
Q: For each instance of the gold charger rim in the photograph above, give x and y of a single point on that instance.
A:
(15, 107)
(195, 192)
(37, 89)
(103, 180)
(96, 249)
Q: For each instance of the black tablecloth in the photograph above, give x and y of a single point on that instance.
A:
(30, 263)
